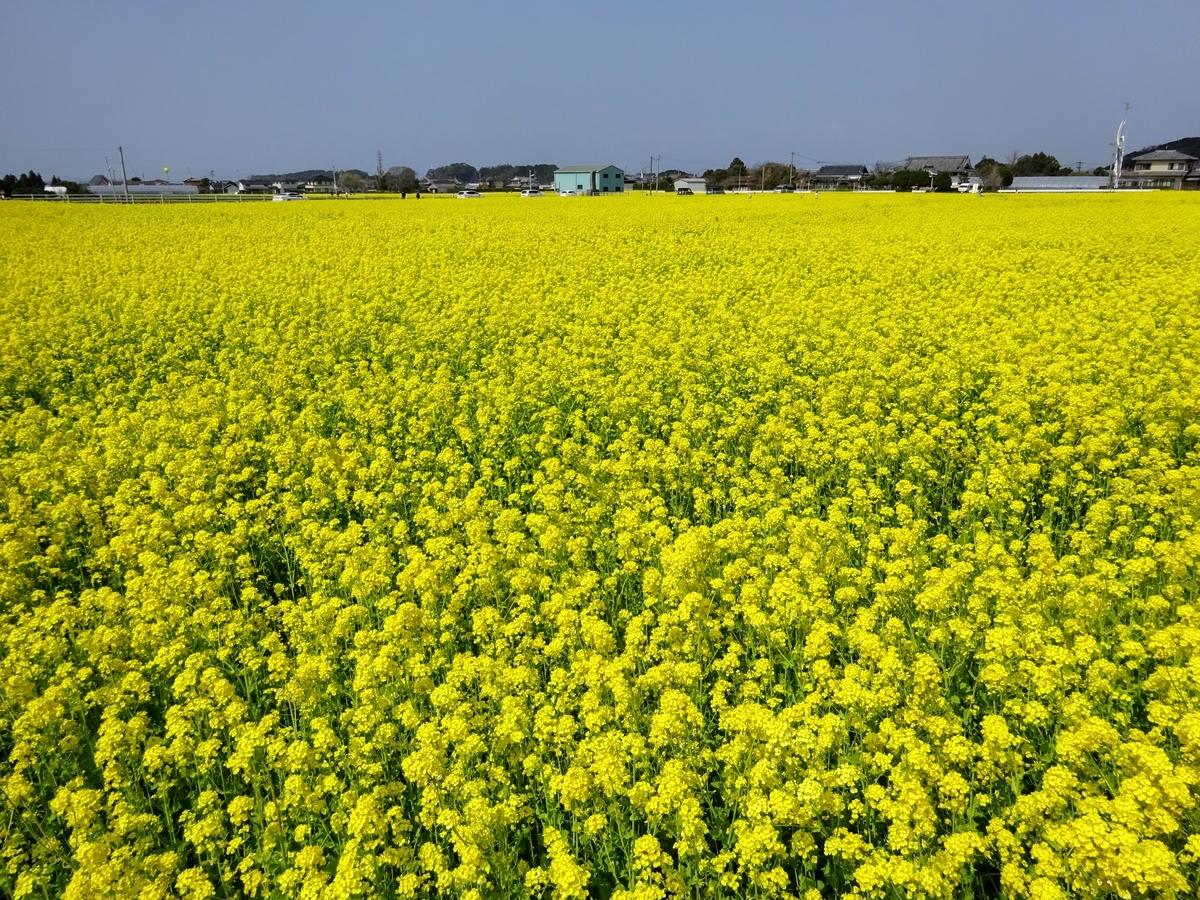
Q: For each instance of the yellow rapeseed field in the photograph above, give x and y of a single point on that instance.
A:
(630, 548)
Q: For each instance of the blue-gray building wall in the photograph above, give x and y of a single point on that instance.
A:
(607, 180)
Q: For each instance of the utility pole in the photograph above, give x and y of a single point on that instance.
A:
(379, 170)
(124, 177)
(792, 169)
(335, 187)
(653, 183)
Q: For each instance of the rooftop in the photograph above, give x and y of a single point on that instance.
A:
(939, 163)
(1163, 155)
(570, 169)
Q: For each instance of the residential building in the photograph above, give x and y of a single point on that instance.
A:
(254, 186)
(959, 167)
(1161, 169)
(838, 177)
(442, 186)
(319, 184)
(590, 179)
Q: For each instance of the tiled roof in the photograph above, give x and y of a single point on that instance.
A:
(839, 171)
(938, 163)
(1163, 156)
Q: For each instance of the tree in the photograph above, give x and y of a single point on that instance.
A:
(460, 171)
(942, 182)
(994, 173)
(907, 179)
(770, 174)
(30, 183)
(351, 182)
(400, 179)
(1038, 164)
(724, 177)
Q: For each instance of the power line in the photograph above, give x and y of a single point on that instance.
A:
(56, 150)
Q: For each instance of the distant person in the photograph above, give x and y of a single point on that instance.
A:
(404, 195)
(418, 195)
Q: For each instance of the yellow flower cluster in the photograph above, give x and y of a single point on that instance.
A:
(640, 548)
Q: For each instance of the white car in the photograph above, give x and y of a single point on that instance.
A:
(532, 193)
(288, 195)
(469, 195)
(568, 193)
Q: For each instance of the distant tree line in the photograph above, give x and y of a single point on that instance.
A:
(1188, 145)
(33, 183)
(736, 172)
(502, 174)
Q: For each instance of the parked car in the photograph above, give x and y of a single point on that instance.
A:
(288, 195)
(784, 189)
(716, 190)
(568, 193)
(532, 193)
(469, 195)
(684, 192)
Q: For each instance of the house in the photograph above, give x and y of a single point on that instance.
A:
(442, 186)
(1057, 184)
(319, 184)
(959, 167)
(253, 186)
(590, 179)
(835, 177)
(695, 185)
(1161, 169)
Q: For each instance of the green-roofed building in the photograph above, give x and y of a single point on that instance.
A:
(590, 179)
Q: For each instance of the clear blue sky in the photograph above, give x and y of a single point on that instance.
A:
(254, 87)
